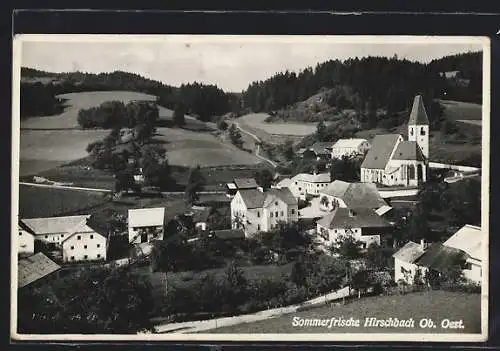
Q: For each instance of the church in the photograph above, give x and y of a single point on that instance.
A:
(394, 161)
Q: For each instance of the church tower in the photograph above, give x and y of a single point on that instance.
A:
(418, 125)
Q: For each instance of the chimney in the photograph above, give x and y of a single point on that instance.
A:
(422, 244)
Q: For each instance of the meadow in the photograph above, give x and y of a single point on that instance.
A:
(257, 120)
(461, 111)
(436, 305)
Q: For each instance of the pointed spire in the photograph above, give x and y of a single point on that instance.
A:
(418, 114)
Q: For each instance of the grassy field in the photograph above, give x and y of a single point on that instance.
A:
(436, 305)
(457, 110)
(257, 121)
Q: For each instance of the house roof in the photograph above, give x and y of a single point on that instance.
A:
(284, 194)
(468, 239)
(355, 195)
(284, 183)
(380, 152)
(408, 150)
(313, 178)
(145, 217)
(245, 183)
(227, 234)
(252, 198)
(409, 253)
(361, 218)
(34, 268)
(418, 114)
(383, 210)
(320, 147)
(438, 256)
(55, 225)
(349, 143)
(24, 227)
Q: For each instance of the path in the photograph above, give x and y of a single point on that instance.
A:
(258, 142)
(197, 326)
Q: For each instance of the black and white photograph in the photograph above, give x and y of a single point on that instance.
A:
(257, 187)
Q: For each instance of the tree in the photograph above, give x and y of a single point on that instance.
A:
(235, 136)
(361, 281)
(321, 131)
(124, 181)
(288, 150)
(236, 285)
(299, 273)
(222, 124)
(347, 247)
(264, 178)
(88, 301)
(195, 184)
(346, 169)
(178, 116)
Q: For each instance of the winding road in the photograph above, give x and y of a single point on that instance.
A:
(257, 142)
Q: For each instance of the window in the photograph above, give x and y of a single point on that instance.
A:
(98, 245)
(258, 214)
(282, 214)
(411, 131)
(295, 183)
(403, 270)
(293, 211)
(258, 226)
(98, 256)
(276, 203)
(72, 247)
(271, 215)
(79, 237)
(85, 257)
(335, 231)
(276, 214)
(422, 131)
(20, 233)
(62, 235)
(468, 266)
(91, 236)
(46, 236)
(84, 246)
(300, 189)
(72, 258)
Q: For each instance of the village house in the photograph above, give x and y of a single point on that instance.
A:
(84, 245)
(35, 269)
(463, 249)
(304, 184)
(352, 195)
(254, 210)
(145, 224)
(349, 148)
(26, 240)
(393, 161)
(240, 184)
(361, 223)
(322, 150)
(54, 229)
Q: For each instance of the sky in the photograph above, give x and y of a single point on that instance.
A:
(231, 63)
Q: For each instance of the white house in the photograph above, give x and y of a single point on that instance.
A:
(351, 195)
(469, 239)
(393, 161)
(84, 245)
(304, 184)
(25, 239)
(145, 224)
(350, 147)
(463, 249)
(55, 229)
(363, 224)
(254, 210)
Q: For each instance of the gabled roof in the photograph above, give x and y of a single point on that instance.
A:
(418, 114)
(468, 239)
(380, 152)
(56, 225)
(321, 147)
(362, 218)
(24, 227)
(146, 217)
(408, 150)
(409, 253)
(355, 195)
(438, 256)
(252, 198)
(284, 194)
(349, 143)
(313, 178)
(245, 183)
(284, 183)
(34, 268)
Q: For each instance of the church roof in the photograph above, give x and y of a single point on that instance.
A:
(418, 114)
(380, 152)
(408, 150)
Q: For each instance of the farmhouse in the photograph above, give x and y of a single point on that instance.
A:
(254, 210)
(34, 269)
(84, 245)
(55, 229)
(393, 161)
(26, 240)
(349, 147)
(240, 184)
(304, 184)
(322, 150)
(145, 224)
(351, 195)
(361, 223)
(463, 249)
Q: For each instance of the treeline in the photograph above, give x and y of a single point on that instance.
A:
(111, 114)
(39, 100)
(204, 101)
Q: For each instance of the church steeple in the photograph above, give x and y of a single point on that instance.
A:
(418, 125)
